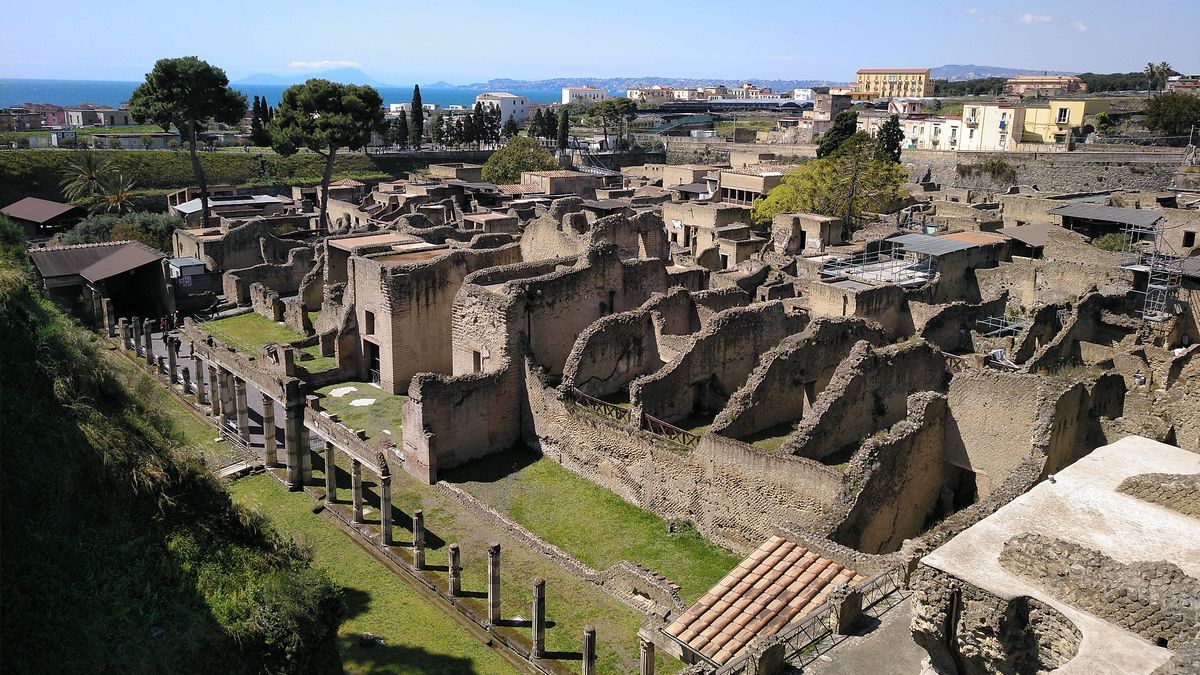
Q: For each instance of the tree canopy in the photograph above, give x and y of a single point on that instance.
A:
(1173, 113)
(185, 93)
(416, 126)
(324, 116)
(843, 127)
(889, 138)
(851, 181)
(522, 154)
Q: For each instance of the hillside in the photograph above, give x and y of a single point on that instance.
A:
(119, 555)
(959, 73)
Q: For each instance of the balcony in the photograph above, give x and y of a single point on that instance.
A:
(971, 121)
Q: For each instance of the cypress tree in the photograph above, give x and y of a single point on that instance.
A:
(564, 128)
(402, 131)
(416, 129)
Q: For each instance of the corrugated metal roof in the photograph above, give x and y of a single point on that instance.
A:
(37, 210)
(1033, 234)
(1112, 214)
(132, 255)
(92, 261)
(923, 243)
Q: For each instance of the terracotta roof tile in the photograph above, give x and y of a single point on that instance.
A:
(780, 582)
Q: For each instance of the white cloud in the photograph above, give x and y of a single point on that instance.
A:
(323, 65)
(1035, 18)
(971, 10)
(1079, 26)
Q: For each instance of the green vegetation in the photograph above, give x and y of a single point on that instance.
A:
(1113, 241)
(756, 123)
(1173, 114)
(118, 554)
(994, 167)
(844, 126)
(845, 184)
(521, 154)
(152, 229)
(546, 498)
(418, 637)
(383, 418)
(416, 113)
(983, 85)
(249, 332)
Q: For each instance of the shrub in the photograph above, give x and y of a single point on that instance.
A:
(1114, 241)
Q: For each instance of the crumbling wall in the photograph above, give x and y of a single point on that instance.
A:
(722, 356)
(868, 392)
(895, 481)
(886, 305)
(732, 493)
(612, 352)
(711, 302)
(284, 278)
(949, 326)
(789, 377)
(1069, 268)
(675, 312)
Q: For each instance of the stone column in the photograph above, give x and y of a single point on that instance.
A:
(270, 454)
(201, 397)
(187, 380)
(136, 325)
(646, 657)
(493, 583)
(305, 452)
(214, 384)
(171, 365)
(846, 604)
(148, 342)
(126, 335)
(229, 408)
(589, 650)
(539, 618)
(419, 539)
(293, 425)
(385, 508)
(330, 473)
(110, 316)
(356, 489)
(242, 404)
(455, 583)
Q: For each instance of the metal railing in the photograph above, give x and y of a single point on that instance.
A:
(669, 432)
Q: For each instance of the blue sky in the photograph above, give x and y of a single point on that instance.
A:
(467, 40)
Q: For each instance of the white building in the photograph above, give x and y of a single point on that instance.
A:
(510, 105)
(586, 94)
(655, 95)
(802, 94)
(397, 108)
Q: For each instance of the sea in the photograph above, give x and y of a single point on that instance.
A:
(99, 92)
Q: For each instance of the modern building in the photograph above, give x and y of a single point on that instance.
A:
(892, 82)
(1054, 122)
(1184, 84)
(125, 276)
(157, 140)
(991, 126)
(586, 94)
(803, 94)
(1044, 85)
(654, 95)
(511, 106)
(19, 119)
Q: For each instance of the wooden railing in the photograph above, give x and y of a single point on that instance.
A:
(663, 430)
(596, 405)
(670, 432)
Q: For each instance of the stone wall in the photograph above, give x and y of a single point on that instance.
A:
(884, 304)
(612, 352)
(1174, 491)
(731, 492)
(788, 378)
(868, 392)
(1052, 171)
(894, 482)
(282, 278)
(949, 326)
(702, 379)
(1156, 600)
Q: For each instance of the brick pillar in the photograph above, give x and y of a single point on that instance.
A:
(242, 405)
(455, 582)
(187, 380)
(419, 539)
(330, 473)
(539, 618)
(846, 603)
(645, 657)
(214, 385)
(270, 456)
(589, 650)
(201, 397)
(110, 316)
(137, 325)
(148, 342)
(385, 508)
(493, 583)
(171, 365)
(293, 425)
(357, 489)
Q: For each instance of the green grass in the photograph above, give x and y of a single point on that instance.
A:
(757, 124)
(247, 333)
(386, 413)
(771, 438)
(590, 522)
(420, 638)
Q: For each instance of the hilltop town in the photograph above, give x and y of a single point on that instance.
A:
(703, 380)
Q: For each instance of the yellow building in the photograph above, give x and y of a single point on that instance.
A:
(1054, 122)
(894, 82)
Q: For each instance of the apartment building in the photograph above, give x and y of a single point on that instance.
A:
(511, 106)
(1044, 85)
(893, 82)
(655, 95)
(586, 94)
(991, 127)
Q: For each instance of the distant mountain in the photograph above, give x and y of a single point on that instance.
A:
(343, 75)
(615, 85)
(958, 73)
(440, 84)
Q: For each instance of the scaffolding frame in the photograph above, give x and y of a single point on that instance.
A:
(1001, 325)
(896, 266)
(1164, 269)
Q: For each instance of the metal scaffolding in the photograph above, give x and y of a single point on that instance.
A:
(1164, 269)
(906, 269)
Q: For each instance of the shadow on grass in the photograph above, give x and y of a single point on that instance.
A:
(492, 468)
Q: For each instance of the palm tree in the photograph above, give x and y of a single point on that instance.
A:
(1164, 71)
(1151, 72)
(83, 175)
(116, 194)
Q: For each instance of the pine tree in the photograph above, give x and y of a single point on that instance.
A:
(437, 130)
(564, 128)
(416, 128)
(510, 129)
(888, 139)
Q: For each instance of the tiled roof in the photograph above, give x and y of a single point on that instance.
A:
(562, 173)
(778, 584)
(347, 182)
(519, 188)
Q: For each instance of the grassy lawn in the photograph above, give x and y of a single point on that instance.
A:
(771, 438)
(419, 637)
(384, 417)
(549, 500)
(571, 603)
(247, 333)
